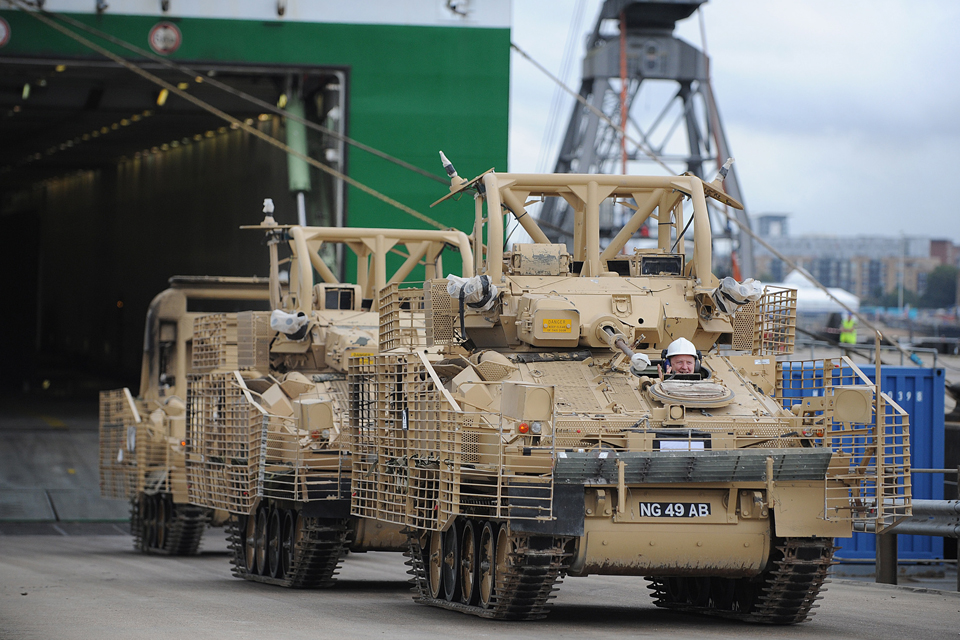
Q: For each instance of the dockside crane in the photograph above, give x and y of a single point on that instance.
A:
(632, 50)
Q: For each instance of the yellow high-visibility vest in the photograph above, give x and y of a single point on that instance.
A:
(848, 331)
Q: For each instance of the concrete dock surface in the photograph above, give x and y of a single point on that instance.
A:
(97, 586)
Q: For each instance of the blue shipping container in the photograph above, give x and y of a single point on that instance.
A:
(920, 392)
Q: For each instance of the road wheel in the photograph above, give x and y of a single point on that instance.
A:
(250, 542)
(274, 543)
(434, 562)
(451, 564)
(487, 566)
(468, 564)
(260, 541)
(288, 537)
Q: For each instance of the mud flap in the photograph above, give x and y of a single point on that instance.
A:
(325, 499)
(326, 509)
(525, 502)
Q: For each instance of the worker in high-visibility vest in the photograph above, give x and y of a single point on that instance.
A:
(848, 329)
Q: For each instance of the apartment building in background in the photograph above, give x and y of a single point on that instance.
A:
(866, 266)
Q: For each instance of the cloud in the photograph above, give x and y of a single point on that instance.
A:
(838, 112)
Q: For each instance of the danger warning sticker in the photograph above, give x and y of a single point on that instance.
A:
(557, 325)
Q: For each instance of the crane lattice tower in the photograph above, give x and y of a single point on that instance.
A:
(674, 77)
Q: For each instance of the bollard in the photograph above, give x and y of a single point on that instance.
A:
(887, 558)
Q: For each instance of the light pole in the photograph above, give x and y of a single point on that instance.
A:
(903, 248)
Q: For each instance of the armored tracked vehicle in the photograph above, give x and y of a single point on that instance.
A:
(143, 437)
(267, 434)
(519, 426)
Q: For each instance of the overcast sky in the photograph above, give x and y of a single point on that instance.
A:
(841, 113)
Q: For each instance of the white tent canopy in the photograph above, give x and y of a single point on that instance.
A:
(811, 299)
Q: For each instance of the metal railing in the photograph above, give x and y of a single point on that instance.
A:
(955, 350)
(846, 350)
(945, 472)
(939, 518)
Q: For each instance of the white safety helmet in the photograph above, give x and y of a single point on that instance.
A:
(681, 347)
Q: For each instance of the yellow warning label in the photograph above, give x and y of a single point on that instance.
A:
(362, 357)
(557, 325)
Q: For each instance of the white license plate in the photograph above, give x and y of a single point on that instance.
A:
(674, 509)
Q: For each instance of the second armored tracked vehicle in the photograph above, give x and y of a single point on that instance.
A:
(267, 434)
